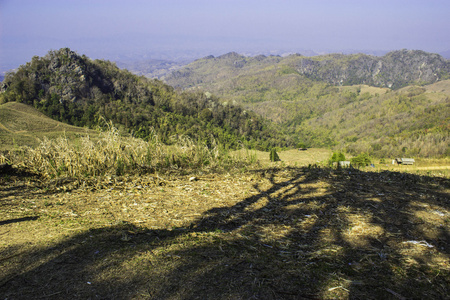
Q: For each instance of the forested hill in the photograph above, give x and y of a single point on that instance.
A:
(394, 70)
(313, 99)
(77, 90)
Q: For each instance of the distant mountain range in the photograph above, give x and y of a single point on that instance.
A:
(161, 66)
(394, 70)
(380, 105)
(150, 68)
(156, 63)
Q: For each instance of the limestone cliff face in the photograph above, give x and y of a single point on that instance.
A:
(394, 70)
(62, 73)
(69, 75)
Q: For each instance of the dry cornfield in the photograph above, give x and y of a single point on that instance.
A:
(114, 154)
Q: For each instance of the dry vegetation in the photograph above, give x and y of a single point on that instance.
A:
(113, 154)
(226, 229)
(23, 125)
(105, 216)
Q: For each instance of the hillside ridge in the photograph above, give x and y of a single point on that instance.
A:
(74, 89)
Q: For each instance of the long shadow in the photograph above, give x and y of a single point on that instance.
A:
(308, 234)
(34, 188)
(17, 220)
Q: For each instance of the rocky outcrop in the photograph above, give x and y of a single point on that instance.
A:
(69, 81)
(394, 70)
(67, 77)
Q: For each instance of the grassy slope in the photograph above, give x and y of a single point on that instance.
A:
(22, 125)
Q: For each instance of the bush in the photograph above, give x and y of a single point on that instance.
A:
(361, 160)
(301, 145)
(336, 157)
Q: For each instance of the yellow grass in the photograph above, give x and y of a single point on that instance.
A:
(291, 157)
(439, 87)
(22, 125)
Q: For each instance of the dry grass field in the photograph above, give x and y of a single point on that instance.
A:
(286, 230)
(318, 156)
(439, 87)
(293, 157)
(21, 124)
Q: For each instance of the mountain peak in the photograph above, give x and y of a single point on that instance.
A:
(231, 55)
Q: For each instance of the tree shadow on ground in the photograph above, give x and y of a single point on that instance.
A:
(307, 233)
(17, 220)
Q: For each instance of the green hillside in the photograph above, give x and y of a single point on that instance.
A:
(305, 97)
(22, 125)
(74, 89)
(310, 98)
(413, 121)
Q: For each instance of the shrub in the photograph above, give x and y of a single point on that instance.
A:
(336, 157)
(361, 160)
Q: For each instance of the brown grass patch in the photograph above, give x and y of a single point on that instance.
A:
(283, 233)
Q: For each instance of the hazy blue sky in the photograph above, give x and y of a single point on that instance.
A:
(109, 28)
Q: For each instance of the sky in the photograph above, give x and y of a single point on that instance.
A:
(173, 29)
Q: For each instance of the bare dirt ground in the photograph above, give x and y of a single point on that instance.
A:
(265, 233)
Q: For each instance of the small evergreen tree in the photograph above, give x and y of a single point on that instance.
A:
(274, 155)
